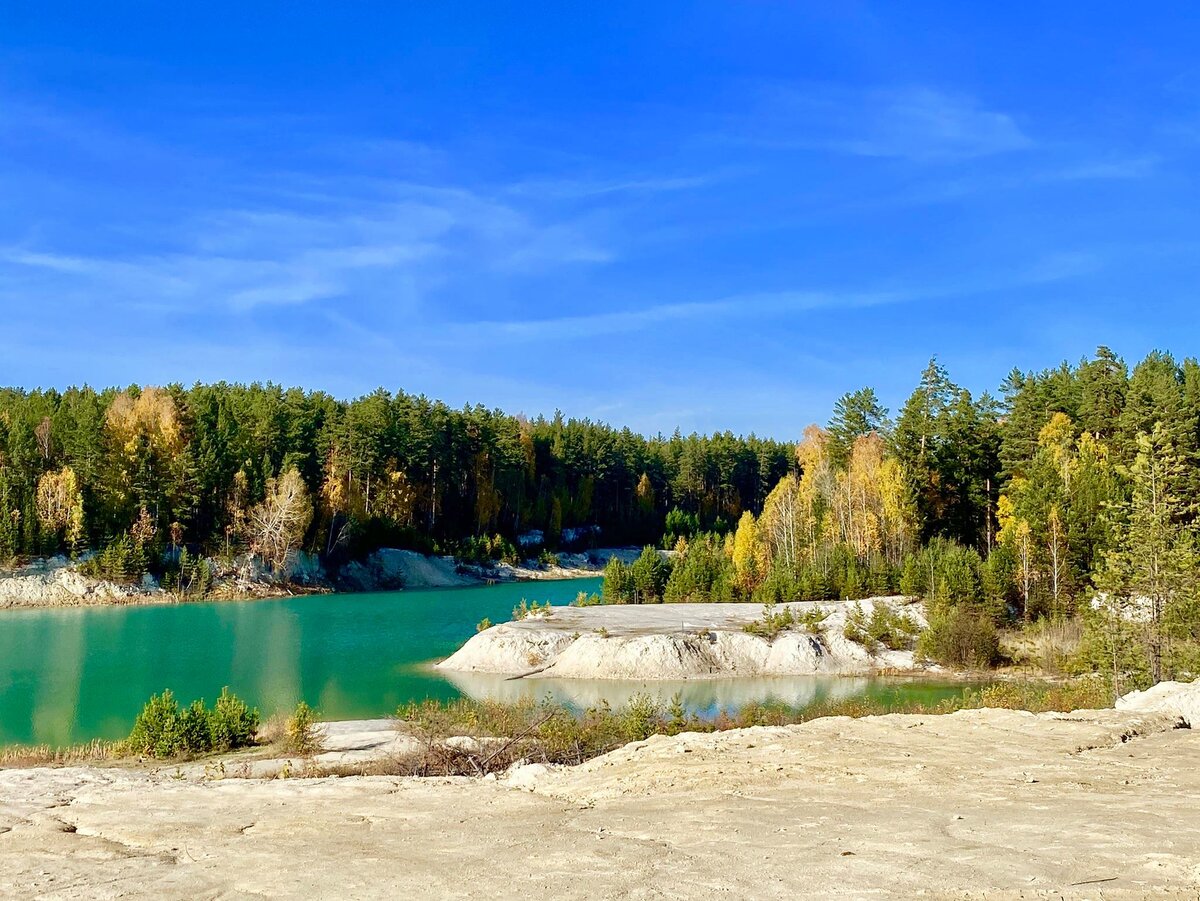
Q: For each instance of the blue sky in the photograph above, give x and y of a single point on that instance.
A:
(706, 215)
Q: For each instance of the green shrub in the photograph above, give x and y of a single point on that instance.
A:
(583, 599)
(483, 549)
(812, 620)
(158, 731)
(525, 609)
(231, 724)
(961, 638)
(884, 627)
(641, 717)
(121, 560)
(303, 735)
(188, 577)
(164, 730)
(195, 733)
(772, 623)
(483, 625)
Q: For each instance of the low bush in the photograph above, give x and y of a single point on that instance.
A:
(884, 627)
(1048, 644)
(302, 734)
(121, 560)
(550, 732)
(163, 729)
(526, 609)
(537, 732)
(188, 577)
(483, 549)
(960, 638)
(158, 731)
(232, 723)
(772, 623)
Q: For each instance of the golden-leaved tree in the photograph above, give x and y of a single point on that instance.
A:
(278, 524)
(59, 505)
(872, 510)
(866, 506)
(147, 442)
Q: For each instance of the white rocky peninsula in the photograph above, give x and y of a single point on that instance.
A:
(681, 641)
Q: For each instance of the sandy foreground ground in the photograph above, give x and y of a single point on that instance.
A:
(1094, 804)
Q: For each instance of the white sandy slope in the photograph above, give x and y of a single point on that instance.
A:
(978, 804)
(674, 641)
(1179, 698)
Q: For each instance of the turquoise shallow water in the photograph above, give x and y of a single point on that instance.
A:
(72, 675)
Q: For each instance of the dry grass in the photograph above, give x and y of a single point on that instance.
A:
(273, 730)
(474, 738)
(527, 732)
(15, 756)
(1045, 646)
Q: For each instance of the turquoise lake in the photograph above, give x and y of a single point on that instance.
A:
(70, 675)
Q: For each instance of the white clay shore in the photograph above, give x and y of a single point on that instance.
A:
(976, 804)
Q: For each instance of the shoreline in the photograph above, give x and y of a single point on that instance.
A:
(50, 584)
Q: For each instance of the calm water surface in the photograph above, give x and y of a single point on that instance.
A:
(73, 675)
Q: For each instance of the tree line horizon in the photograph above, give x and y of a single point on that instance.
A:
(1041, 484)
(197, 458)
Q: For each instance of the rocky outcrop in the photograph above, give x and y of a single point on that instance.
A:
(55, 583)
(390, 568)
(674, 641)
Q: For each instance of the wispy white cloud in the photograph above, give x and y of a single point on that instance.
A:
(1108, 169)
(242, 259)
(759, 306)
(585, 188)
(922, 124)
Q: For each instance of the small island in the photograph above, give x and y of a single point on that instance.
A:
(690, 641)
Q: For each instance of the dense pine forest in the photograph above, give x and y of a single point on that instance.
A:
(1068, 496)
(224, 468)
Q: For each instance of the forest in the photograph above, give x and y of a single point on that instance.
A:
(1067, 496)
(224, 468)
(1068, 499)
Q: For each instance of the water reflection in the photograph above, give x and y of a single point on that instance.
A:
(705, 697)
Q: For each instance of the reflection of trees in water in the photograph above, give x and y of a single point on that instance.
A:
(57, 691)
(703, 696)
(267, 663)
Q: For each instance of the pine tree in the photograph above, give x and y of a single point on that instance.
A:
(855, 414)
(1153, 565)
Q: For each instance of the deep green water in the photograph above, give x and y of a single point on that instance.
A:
(76, 674)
